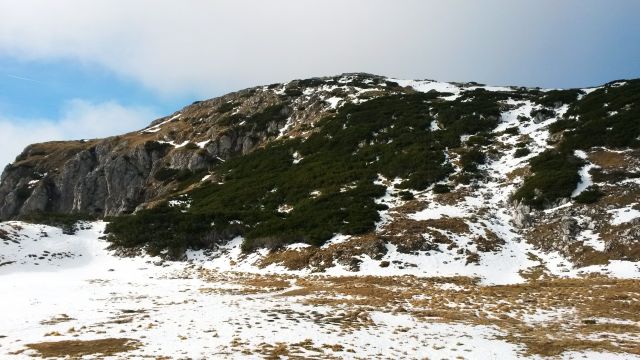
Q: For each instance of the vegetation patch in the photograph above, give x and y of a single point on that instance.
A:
(555, 176)
(590, 195)
(607, 117)
(69, 223)
(389, 136)
(80, 348)
(441, 189)
(521, 152)
(556, 98)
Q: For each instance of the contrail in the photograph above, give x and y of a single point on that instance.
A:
(24, 78)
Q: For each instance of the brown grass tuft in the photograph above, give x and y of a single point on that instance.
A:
(79, 348)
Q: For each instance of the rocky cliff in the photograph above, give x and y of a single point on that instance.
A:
(116, 175)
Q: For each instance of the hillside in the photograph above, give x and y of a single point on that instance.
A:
(354, 216)
(359, 167)
(71, 298)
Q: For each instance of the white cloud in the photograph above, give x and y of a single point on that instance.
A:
(206, 47)
(80, 120)
(203, 46)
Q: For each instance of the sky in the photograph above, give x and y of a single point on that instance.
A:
(72, 69)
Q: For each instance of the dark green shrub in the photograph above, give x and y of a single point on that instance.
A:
(470, 160)
(479, 140)
(520, 152)
(67, 222)
(606, 117)
(563, 124)
(406, 195)
(441, 188)
(343, 159)
(555, 98)
(589, 196)
(229, 120)
(191, 146)
(151, 145)
(614, 176)
(312, 82)
(165, 228)
(260, 121)
(463, 178)
(293, 92)
(514, 130)
(542, 114)
(555, 176)
(227, 106)
(165, 174)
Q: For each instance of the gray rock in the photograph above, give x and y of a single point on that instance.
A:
(569, 228)
(521, 215)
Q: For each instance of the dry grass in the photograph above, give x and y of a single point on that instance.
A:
(591, 313)
(57, 319)
(518, 173)
(609, 160)
(410, 207)
(291, 259)
(80, 348)
(454, 197)
(53, 154)
(453, 224)
(488, 243)
(275, 352)
(550, 238)
(319, 259)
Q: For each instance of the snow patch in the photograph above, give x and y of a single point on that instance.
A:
(437, 211)
(202, 144)
(624, 215)
(585, 177)
(429, 85)
(297, 157)
(333, 102)
(156, 128)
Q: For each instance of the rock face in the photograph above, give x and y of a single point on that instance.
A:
(521, 215)
(99, 178)
(120, 174)
(569, 227)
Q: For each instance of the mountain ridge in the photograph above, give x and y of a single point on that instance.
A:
(237, 145)
(360, 167)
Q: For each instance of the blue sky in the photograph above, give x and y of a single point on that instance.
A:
(77, 69)
(38, 88)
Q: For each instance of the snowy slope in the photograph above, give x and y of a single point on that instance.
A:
(182, 310)
(223, 303)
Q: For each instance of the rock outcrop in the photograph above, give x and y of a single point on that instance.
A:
(120, 174)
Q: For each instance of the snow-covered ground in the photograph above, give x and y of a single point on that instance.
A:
(69, 287)
(92, 294)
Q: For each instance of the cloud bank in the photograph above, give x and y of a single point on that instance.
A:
(80, 119)
(207, 47)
